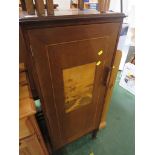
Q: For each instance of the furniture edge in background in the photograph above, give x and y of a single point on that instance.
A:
(110, 88)
(30, 138)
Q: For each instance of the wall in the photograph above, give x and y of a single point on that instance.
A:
(63, 4)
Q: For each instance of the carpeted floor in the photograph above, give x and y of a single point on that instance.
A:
(118, 137)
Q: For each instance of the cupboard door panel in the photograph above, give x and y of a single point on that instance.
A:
(77, 69)
(78, 86)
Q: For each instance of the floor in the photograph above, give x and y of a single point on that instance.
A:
(118, 136)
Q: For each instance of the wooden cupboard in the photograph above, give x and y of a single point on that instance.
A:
(70, 58)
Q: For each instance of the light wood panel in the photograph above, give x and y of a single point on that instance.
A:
(40, 8)
(25, 128)
(103, 5)
(22, 67)
(23, 5)
(30, 7)
(27, 107)
(110, 88)
(31, 141)
(31, 146)
(23, 92)
(50, 7)
(78, 86)
(23, 79)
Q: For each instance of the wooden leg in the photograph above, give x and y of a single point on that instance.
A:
(94, 134)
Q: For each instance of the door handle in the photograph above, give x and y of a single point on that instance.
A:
(107, 71)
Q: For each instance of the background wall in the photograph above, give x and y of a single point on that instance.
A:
(125, 41)
(128, 9)
(63, 4)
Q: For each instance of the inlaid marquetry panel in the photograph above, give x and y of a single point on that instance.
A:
(78, 86)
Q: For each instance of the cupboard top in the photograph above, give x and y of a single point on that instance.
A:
(70, 17)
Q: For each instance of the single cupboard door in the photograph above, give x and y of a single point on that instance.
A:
(78, 72)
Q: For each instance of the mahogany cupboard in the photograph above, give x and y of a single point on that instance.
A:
(69, 58)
